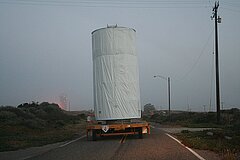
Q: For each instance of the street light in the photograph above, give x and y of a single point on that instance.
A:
(169, 95)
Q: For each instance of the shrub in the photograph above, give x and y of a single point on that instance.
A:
(82, 116)
(6, 115)
(33, 123)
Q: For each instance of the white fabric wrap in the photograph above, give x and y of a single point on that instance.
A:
(115, 74)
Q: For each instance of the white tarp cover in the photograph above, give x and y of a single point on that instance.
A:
(115, 74)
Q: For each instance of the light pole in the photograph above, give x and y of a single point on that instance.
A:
(169, 90)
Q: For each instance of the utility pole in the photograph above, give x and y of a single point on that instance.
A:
(69, 105)
(217, 20)
(169, 99)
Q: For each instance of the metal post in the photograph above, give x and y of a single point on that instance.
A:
(169, 92)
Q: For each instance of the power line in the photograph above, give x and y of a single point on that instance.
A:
(110, 1)
(232, 10)
(231, 4)
(212, 79)
(114, 4)
(197, 60)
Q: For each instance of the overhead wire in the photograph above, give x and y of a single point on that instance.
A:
(116, 4)
(110, 1)
(229, 9)
(211, 79)
(198, 58)
(231, 6)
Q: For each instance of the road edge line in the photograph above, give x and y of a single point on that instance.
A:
(193, 152)
(63, 145)
(152, 126)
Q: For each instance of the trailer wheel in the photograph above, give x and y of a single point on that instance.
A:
(94, 135)
(140, 135)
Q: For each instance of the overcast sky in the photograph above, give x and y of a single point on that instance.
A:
(45, 50)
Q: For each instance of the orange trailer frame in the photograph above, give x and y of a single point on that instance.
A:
(130, 128)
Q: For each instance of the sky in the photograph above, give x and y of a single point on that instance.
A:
(46, 52)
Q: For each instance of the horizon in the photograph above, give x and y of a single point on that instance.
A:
(46, 51)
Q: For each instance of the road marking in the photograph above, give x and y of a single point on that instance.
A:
(123, 139)
(152, 126)
(63, 145)
(26, 157)
(193, 152)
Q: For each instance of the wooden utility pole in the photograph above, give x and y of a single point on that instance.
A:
(169, 99)
(217, 20)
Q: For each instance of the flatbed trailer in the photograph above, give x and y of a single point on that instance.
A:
(117, 128)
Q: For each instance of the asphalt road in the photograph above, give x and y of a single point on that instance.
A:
(157, 146)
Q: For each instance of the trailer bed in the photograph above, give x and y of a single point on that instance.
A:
(116, 128)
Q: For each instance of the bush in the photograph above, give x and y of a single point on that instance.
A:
(185, 131)
(59, 123)
(82, 116)
(33, 123)
(6, 115)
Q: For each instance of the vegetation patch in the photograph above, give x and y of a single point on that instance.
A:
(35, 124)
(224, 138)
(215, 140)
(221, 141)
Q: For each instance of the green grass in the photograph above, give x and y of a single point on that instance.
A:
(35, 125)
(229, 126)
(19, 137)
(197, 119)
(217, 142)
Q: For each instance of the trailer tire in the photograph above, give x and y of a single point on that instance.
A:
(94, 135)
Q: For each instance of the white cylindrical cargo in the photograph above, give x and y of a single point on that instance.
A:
(115, 74)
